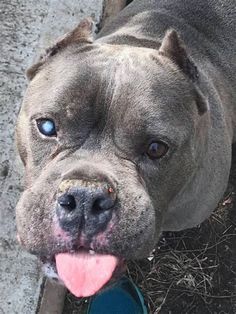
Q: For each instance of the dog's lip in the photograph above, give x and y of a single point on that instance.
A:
(50, 259)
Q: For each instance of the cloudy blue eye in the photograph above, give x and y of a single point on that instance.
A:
(46, 127)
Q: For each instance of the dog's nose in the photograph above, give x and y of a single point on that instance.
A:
(67, 201)
(101, 203)
(85, 207)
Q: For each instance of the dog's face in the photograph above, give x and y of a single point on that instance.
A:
(109, 135)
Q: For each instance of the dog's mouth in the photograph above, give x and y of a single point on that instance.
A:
(85, 272)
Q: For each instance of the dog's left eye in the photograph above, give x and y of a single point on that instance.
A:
(47, 127)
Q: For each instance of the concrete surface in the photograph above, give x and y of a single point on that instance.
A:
(26, 27)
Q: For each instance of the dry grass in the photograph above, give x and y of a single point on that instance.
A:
(190, 269)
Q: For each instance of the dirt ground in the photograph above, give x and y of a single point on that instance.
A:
(190, 272)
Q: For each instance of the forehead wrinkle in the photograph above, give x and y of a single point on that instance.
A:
(136, 85)
(111, 81)
(125, 78)
(127, 69)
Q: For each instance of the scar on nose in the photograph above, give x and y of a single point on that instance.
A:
(110, 190)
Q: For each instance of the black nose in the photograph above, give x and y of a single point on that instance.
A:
(85, 208)
(67, 201)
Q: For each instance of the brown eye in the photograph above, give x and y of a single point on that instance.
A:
(157, 150)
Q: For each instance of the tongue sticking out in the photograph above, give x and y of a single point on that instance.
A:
(83, 273)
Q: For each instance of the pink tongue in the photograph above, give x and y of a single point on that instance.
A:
(84, 274)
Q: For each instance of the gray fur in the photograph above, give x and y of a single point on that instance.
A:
(161, 70)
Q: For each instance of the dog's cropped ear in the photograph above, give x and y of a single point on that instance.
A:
(173, 48)
(83, 33)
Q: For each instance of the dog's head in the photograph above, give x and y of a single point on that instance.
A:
(109, 136)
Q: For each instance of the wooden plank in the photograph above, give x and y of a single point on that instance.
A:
(52, 300)
(112, 8)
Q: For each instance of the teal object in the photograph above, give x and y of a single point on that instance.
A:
(124, 297)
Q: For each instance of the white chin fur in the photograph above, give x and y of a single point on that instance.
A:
(50, 271)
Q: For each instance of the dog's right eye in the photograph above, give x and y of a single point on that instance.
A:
(157, 150)
(46, 127)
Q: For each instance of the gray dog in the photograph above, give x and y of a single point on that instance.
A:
(127, 135)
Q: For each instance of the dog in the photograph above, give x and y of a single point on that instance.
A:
(126, 135)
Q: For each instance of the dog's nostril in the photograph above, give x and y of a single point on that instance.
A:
(101, 204)
(67, 201)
